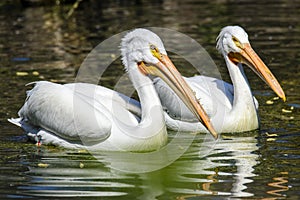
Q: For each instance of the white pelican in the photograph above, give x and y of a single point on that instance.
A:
(69, 115)
(232, 108)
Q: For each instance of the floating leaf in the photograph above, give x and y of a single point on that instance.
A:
(43, 165)
(271, 139)
(285, 110)
(271, 134)
(82, 151)
(21, 73)
(81, 165)
(35, 73)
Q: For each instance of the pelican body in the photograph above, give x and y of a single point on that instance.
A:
(231, 107)
(81, 115)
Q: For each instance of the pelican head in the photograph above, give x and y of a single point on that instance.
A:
(233, 43)
(140, 45)
(143, 50)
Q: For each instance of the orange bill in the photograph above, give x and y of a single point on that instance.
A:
(250, 58)
(166, 70)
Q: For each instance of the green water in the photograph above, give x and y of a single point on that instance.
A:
(42, 42)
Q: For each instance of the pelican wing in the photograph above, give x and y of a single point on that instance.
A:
(211, 93)
(98, 93)
(57, 109)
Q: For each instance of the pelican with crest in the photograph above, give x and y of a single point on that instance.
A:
(68, 116)
(231, 107)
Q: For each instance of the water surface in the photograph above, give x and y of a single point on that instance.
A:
(39, 42)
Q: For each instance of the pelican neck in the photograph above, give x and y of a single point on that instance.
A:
(242, 92)
(150, 103)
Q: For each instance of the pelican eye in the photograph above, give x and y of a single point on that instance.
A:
(155, 52)
(153, 47)
(237, 42)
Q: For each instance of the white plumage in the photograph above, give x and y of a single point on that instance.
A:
(232, 108)
(82, 115)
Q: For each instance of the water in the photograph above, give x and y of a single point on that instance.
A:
(40, 41)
